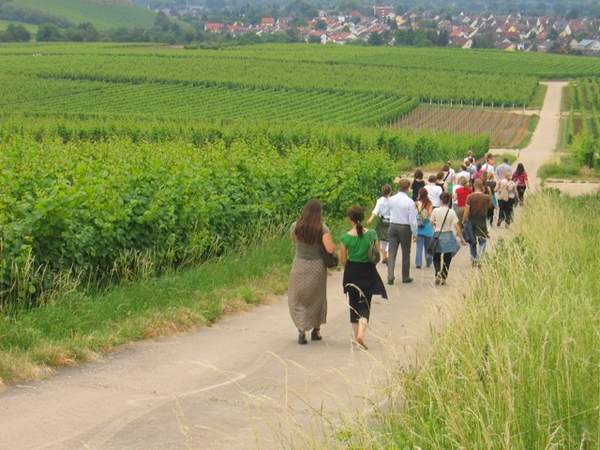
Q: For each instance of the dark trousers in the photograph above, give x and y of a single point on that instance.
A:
(521, 191)
(399, 236)
(506, 208)
(437, 264)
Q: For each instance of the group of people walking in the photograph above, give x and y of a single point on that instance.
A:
(448, 210)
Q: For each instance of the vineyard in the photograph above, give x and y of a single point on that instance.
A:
(116, 158)
(583, 122)
(506, 130)
(217, 69)
(198, 102)
(95, 197)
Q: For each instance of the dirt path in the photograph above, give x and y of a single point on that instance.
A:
(545, 138)
(243, 383)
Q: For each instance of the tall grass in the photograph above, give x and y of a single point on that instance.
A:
(519, 368)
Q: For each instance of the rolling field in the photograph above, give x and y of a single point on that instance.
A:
(142, 64)
(506, 130)
(69, 110)
(103, 14)
(208, 102)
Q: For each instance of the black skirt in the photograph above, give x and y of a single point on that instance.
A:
(365, 276)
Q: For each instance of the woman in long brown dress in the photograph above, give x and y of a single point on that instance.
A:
(307, 292)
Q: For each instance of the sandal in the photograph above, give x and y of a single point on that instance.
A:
(302, 338)
(315, 335)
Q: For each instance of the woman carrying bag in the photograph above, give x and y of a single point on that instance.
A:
(444, 245)
(361, 280)
(424, 229)
(307, 293)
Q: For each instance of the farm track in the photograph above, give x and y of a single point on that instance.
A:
(243, 383)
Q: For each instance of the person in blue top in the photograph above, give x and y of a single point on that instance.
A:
(361, 280)
(424, 230)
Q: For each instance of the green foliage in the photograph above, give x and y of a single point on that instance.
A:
(96, 208)
(104, 15)
(199, 100)
(405, 144)
(584, 142)
(285, 67)
(15, 33)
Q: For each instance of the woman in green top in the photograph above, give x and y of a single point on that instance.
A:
(361, 279)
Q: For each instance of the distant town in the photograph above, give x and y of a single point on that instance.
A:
(383, 26)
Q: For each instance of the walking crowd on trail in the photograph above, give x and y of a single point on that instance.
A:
(449, 210)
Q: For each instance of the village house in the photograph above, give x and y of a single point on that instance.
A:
(384, 12)
(214, 27)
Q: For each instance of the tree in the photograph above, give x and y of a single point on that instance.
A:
(321, 25)
(486, 40)
(375, 39)
(49, 33)
(88, 32)
(15, 33)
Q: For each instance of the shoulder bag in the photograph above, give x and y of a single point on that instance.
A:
(436, 238)
(330, 260)
(373, 254)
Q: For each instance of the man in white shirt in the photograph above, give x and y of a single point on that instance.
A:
(503, 168)
(403, 226)
(462, 174)
(434, 191)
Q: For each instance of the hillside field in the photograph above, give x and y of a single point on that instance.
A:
(104, 14)
(76, 116)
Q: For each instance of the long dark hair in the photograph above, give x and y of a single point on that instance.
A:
(309, 226)
(520, 169)
(357, 215)
(424, 198)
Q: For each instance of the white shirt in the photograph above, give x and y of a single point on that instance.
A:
(403, 211)
(451, 175)
(434, 191)
(472, 169)
(462, 174)
(502, 169)
(382, 208)
(489, 168)
(437, 218)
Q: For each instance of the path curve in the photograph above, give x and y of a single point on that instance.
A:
(244, 382)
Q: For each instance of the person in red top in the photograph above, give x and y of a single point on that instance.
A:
(460, 196)
(520, 178)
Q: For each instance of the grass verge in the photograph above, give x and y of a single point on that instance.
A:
(538, 97)
(531, 127)
(568, 169)
(520, 365)
(80, 326)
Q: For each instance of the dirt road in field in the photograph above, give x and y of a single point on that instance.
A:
(545, 138)
(245, 382)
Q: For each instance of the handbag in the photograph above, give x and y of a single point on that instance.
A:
(373, 253)
(330, 260)
(436, 238)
